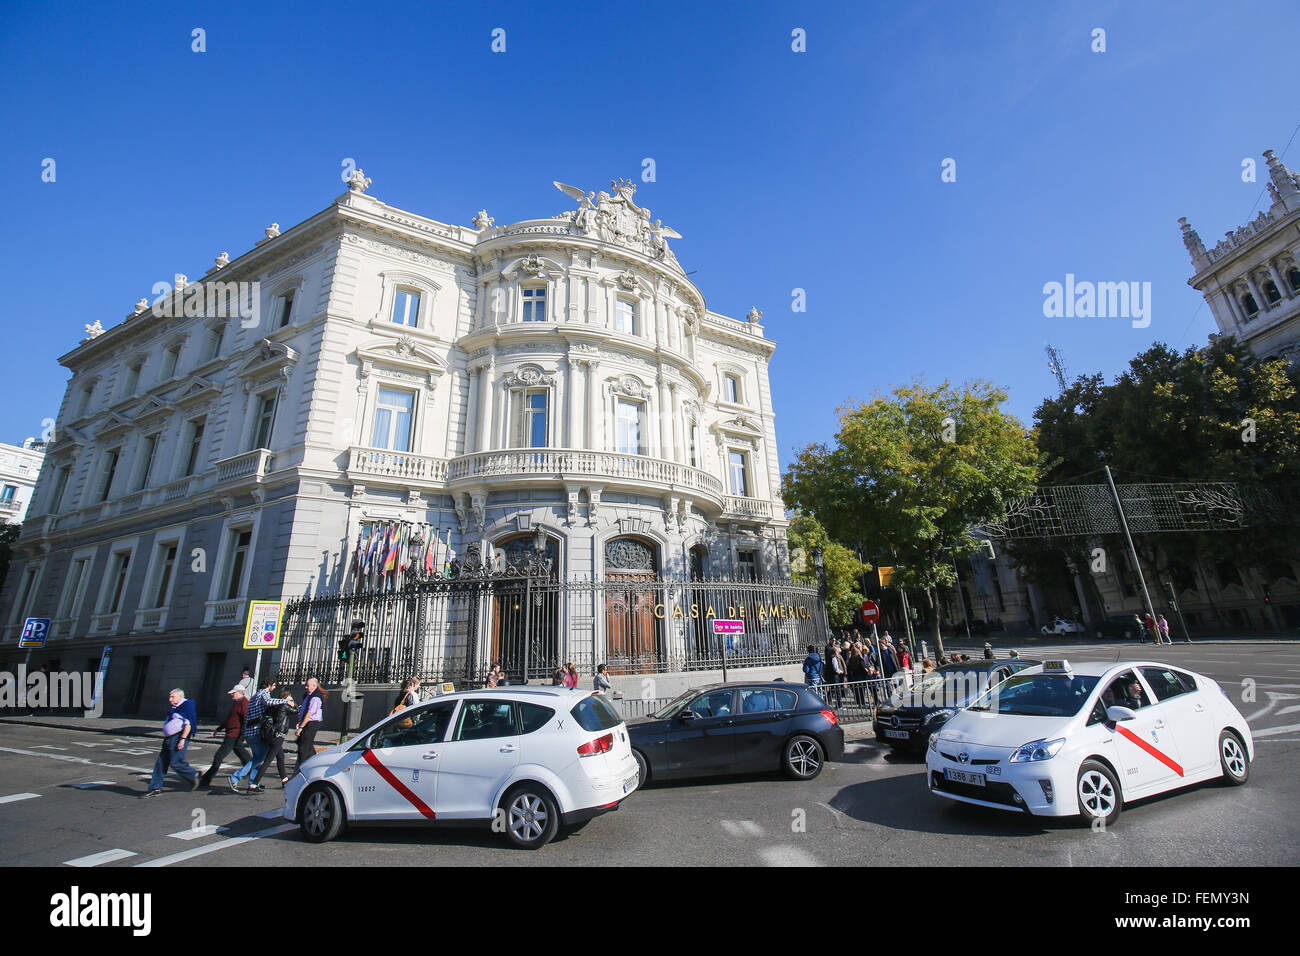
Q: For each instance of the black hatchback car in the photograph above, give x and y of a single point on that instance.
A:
(737, 728)
(917, 710)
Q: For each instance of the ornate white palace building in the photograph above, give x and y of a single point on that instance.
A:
(1251, 278)
(560, 375)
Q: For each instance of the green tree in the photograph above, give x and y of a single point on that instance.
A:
(8, 537)
(910, 474)
(843, 569)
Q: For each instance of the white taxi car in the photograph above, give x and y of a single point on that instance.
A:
(1057, 740)
(522, 759)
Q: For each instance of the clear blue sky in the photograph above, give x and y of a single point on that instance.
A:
(782, 170)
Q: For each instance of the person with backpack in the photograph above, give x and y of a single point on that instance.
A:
(233, 727)
(276, 720)
(812, 667)
(255, 731)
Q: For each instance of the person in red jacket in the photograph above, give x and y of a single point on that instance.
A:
(233, 727)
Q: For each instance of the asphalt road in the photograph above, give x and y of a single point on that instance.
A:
(74, 797)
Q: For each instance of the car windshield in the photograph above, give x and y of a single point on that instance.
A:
(668, 711)
(1037, 695)
(941, 688)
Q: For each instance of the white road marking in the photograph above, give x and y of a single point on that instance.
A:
(48, 747)
(1274, 731)
(93, 784)
(742, 828)
(219, 845)
(130, 751)
(96, 859)
(15, 797)
(786, 856)
(71, 759)
(194, 833)
(272, 814)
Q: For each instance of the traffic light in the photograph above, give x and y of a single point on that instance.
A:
(1268, 597)
(343, 650)
(351, 644)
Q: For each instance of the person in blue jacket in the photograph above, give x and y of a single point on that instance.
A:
(812, 667)
(178, 732)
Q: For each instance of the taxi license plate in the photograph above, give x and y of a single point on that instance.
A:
(898, 734)
(963, 776)
(629, 783)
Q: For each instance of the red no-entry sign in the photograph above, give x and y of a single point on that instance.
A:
(870, 612)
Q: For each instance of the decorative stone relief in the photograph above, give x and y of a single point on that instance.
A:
(627, 281)
(629, 554)
(754, 315)
(93, 331)
(527, 375)
(532, 266)
(628, 385)
(483, 220)
(358, 182)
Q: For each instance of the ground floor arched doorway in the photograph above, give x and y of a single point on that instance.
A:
(632, 637)
(525, 618)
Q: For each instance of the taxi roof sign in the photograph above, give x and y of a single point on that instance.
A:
(444, 688)
(1058, 668)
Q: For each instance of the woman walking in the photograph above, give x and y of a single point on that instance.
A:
(570, 675)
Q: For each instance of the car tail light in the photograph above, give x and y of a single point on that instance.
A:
(830, 717)
(598, 746)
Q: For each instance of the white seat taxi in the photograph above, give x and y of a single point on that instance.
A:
(525, 760)
(1060, 740)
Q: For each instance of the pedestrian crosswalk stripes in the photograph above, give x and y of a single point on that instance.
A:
(15, 797)
(98, 859)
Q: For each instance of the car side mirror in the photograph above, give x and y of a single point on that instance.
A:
(1115, 714)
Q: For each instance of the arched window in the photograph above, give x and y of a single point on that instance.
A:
(1271, 293)
(1293, 278)
(1249, 305)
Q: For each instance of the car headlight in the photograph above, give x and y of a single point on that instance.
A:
(1037, 750)
(934, 742)
(939, 716)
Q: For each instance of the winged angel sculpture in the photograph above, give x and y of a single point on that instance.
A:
(616, 218)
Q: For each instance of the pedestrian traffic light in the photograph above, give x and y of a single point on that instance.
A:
(343, 649)
(354, 639)
(1268, 597)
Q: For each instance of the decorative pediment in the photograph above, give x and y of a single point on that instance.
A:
(740, 430)
(153, 408)
(194, 391)
(629, 385)
(527, 376)
(269, 358)
(403, 355)
(67, 437)
(113, 424)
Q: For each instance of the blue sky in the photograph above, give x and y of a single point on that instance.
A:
(817, 170)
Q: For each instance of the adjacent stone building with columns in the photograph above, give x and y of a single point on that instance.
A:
(559, 377)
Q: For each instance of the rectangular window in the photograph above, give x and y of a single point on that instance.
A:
(393, 420)
(170, 358)
(196, 440)
(86, 394)
(691, 451)
(132, 379)
(731, 389)
(625, 317)
(748, 565)
(215, 336)
(630, 427)
(265, 421)
(60, 487)
(118, 569)
(534, 305)
(150, 449)
(286, 309)
(19, 613)
(238, 557)
(7, 493)
(736, 469)
(110, 469)
(168, 555)
(535, 413)
(406, 307)
(72, 595)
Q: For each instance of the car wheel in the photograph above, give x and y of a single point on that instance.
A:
(532, 818)
(803, 757)
(642, 768)
(321, 816)
(1098, 793)
(1233, 759)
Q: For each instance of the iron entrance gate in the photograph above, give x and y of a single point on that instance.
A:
(456, 628)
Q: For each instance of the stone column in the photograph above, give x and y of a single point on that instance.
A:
(467, 426)
(675, 409)
(665, 418)
(1277, 281)
(593, 403)
(1234, 310)
(1259, 296)
(571, 399)
(487, 383)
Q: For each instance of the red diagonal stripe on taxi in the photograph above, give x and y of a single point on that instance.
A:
(1129, 735)
(398, 785)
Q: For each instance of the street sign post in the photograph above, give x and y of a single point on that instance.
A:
(870, 612)
(35, 631)
(727, 630)
(262, 631)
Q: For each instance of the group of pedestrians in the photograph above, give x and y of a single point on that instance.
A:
(1156, 628)
(255, 729)
(855, 663)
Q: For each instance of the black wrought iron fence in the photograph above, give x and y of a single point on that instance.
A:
(456, 628)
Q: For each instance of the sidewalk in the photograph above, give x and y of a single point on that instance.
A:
(129, 727)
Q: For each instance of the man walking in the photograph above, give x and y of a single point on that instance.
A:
(233, 726)
(246, 682)
(178, 731)
(812, 667)
(310, 715)
(253, 735)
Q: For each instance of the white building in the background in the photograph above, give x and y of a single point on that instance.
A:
(19, 467)
(557, 380)
(1251, 278)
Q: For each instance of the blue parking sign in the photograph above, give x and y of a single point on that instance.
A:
(35, 631)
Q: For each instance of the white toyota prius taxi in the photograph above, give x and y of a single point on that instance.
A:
(1057, 740)
(522, 759)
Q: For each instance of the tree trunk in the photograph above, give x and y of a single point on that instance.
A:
(937, 634)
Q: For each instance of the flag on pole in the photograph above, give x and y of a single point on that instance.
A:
(430, 546)
(390, 560)
(449, 557)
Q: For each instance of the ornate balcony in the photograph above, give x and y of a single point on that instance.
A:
(528, 465)
(746, 509)
(255, 465)
(395, 467)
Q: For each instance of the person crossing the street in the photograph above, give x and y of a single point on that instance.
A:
(178, 731)
(233, 728)
(254, 735)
